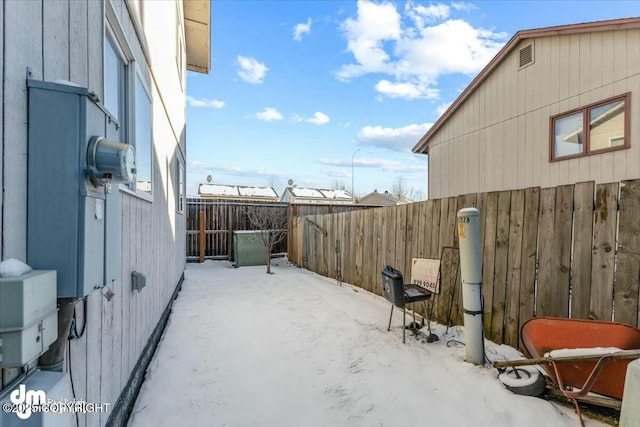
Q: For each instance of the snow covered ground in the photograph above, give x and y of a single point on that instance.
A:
(243, 348)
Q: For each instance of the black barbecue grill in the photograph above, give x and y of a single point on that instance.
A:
(400, 294)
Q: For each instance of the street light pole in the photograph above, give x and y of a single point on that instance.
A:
(353, 194)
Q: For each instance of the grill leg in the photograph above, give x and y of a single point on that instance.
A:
(426, 314)
(390, 316)
(404, 328)
(413, 311)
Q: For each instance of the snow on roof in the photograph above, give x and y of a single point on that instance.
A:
(257, 191)
(218, 190)
(306, 192)
(320, 193)
(336, 194)
(236, 191)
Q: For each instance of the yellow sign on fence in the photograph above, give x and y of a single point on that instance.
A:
(425, 273)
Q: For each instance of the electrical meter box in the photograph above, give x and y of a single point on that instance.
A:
(73, 224)
(28, 317)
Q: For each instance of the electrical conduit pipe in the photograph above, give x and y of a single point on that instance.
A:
(471, 272)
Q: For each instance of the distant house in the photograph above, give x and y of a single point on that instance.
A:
(237, 192)
(95, 92)
(316, 196)
(555, 106)
(380, 199)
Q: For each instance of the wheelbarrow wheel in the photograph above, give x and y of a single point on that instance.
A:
(524, 381)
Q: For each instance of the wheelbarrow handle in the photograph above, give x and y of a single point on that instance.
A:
(619, 355)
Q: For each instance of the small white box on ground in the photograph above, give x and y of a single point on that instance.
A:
(630, 413)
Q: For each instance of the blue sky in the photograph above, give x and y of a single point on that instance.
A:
(307, 90)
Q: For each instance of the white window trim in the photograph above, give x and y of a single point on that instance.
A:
(113, 26)
(137, 75)
(114, 29)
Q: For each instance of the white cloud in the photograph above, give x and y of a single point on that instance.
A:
(397, 139)
(417, 48)
(463, 6)
(268, 115)
(376, 24)
(407, 90)
(382, 164)
(440, 109)
(423, 14)
(204, 102)
(251, 70)
(301, 29)
(317, 119)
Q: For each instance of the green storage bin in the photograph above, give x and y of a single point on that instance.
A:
(248, 248)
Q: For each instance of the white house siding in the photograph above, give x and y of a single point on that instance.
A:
(1, 130)
(499, 138)
(63, 39)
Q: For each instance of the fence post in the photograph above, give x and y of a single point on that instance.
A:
(201, 235)
(230, 232)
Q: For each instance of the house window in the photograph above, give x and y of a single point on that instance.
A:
(180, 185)
(593, 129)
(115, 83)
(143, 139)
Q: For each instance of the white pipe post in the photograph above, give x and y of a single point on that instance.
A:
(471, 272)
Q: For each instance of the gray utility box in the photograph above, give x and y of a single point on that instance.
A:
(73, 221)
(28, 317)
(55, 386)
(248, 248)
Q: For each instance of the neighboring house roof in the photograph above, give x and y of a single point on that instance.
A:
(316, 195)
(380, 199)
(615, 24)
(197, 34)
(237, 192)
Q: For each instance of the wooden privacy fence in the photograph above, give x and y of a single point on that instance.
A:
(569, 251)
(216, 220)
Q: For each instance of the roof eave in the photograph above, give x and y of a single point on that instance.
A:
(197, 19)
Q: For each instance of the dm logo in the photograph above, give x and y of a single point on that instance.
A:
(26, 400)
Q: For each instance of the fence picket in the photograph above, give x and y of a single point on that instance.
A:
(546, 279)
(603, 252)
(514, 269)
(500, 269)
(628, 268)
(582, 247)
(489, 257)
(529, 255)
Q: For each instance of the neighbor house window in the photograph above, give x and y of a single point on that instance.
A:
(596, 128)
(143, 140)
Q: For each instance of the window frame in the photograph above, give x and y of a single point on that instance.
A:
(586, 110)
(137, 77)
(114, 34)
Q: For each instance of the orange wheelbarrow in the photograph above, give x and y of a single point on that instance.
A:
(581, 357)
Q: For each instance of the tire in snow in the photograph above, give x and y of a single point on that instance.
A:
(525, 381)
